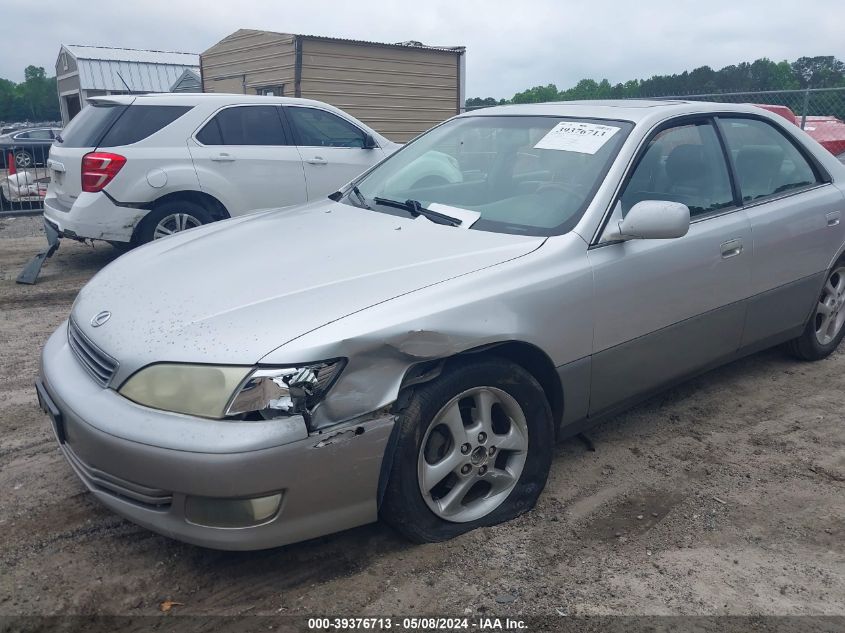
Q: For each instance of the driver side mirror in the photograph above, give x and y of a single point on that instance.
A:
(369, 142)
(651, 220)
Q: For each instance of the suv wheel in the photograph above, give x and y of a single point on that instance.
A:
(474, 448)
(172, 217)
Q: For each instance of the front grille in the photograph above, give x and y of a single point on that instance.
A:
(128, 490)
(96, 362)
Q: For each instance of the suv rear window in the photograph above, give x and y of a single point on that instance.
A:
(113, 124)
(89, 126)
(139, 122)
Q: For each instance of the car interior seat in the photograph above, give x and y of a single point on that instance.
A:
(758, 168)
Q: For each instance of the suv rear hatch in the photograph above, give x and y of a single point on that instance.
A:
(81, 136)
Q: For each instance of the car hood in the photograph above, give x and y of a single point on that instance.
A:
(233, 291)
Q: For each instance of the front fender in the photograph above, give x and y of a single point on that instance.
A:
(543, 299)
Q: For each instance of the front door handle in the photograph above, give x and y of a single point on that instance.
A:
(316, 160)
(833, 218)
(222, 157)
(731, 248)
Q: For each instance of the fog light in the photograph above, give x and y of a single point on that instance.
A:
(231, 513)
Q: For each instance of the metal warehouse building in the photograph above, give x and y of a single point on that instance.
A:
(89, 71)
(399, 90)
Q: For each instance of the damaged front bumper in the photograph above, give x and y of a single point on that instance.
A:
(243, 487)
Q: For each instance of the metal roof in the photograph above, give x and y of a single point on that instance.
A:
(121, 69)
(326, 38)
(407, 44)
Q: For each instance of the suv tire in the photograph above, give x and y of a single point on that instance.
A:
(173, 216)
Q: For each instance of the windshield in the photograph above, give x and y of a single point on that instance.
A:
(532, 175)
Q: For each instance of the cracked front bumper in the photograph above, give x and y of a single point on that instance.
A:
(326, 486)
(93, 216)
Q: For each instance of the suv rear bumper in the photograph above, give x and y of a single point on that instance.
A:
(93, 216)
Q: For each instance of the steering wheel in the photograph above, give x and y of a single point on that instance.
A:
(556, 186)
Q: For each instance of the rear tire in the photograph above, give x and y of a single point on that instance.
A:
(826, 326)
(168, 218)
(442, 484)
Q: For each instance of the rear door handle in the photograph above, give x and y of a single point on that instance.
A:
(833, 218)
(222, 157)
(731, 248)
(316, 160)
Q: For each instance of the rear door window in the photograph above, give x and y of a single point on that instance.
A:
(40, 135)
(318, 128)
(89, 126)
(766, 162)
(139, 122)
(244, 125)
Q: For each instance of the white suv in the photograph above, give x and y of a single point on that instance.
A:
(130, 169)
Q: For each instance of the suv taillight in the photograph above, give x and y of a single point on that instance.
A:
(98, 170)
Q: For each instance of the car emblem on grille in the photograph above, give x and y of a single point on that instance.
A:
(100, 318)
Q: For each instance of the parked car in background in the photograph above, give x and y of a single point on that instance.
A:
(827, 130)
(411, 350)
(131, 169)
(28, 147)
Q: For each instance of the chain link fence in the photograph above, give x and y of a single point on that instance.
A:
(818, 111)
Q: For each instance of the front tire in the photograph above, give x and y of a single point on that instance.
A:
(824, 329)
(171, 217)
(474, 447)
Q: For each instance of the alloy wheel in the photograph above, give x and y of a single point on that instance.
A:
(830, 314)
(473, 454)
(23, 160)
(175, 223)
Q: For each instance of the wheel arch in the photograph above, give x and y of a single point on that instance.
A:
(214, 206)
(208, 201)
(528, 356)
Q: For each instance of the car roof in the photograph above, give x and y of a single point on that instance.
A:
(195, 98)
(634, 110)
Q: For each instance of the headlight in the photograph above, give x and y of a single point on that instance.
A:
(272, 393)
(241, 392)
(202, 390)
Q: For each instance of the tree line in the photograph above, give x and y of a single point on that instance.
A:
(762, 74)
(34, 99)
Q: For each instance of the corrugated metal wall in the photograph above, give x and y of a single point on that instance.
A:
(399, 92)
(249, 60)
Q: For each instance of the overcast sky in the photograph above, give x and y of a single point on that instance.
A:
(511, 45)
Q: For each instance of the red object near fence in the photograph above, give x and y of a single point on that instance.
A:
(827, 130)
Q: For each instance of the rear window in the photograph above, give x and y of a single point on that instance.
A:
(89, 126)
(113, 125)
(139, 122)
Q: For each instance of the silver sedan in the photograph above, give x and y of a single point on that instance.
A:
(411, 349)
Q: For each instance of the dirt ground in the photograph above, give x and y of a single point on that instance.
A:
(723, 496)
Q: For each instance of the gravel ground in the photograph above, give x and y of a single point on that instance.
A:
(722, 496)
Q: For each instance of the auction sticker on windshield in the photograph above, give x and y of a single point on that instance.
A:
(572, 136)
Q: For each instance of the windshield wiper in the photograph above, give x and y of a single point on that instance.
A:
(416, 209)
